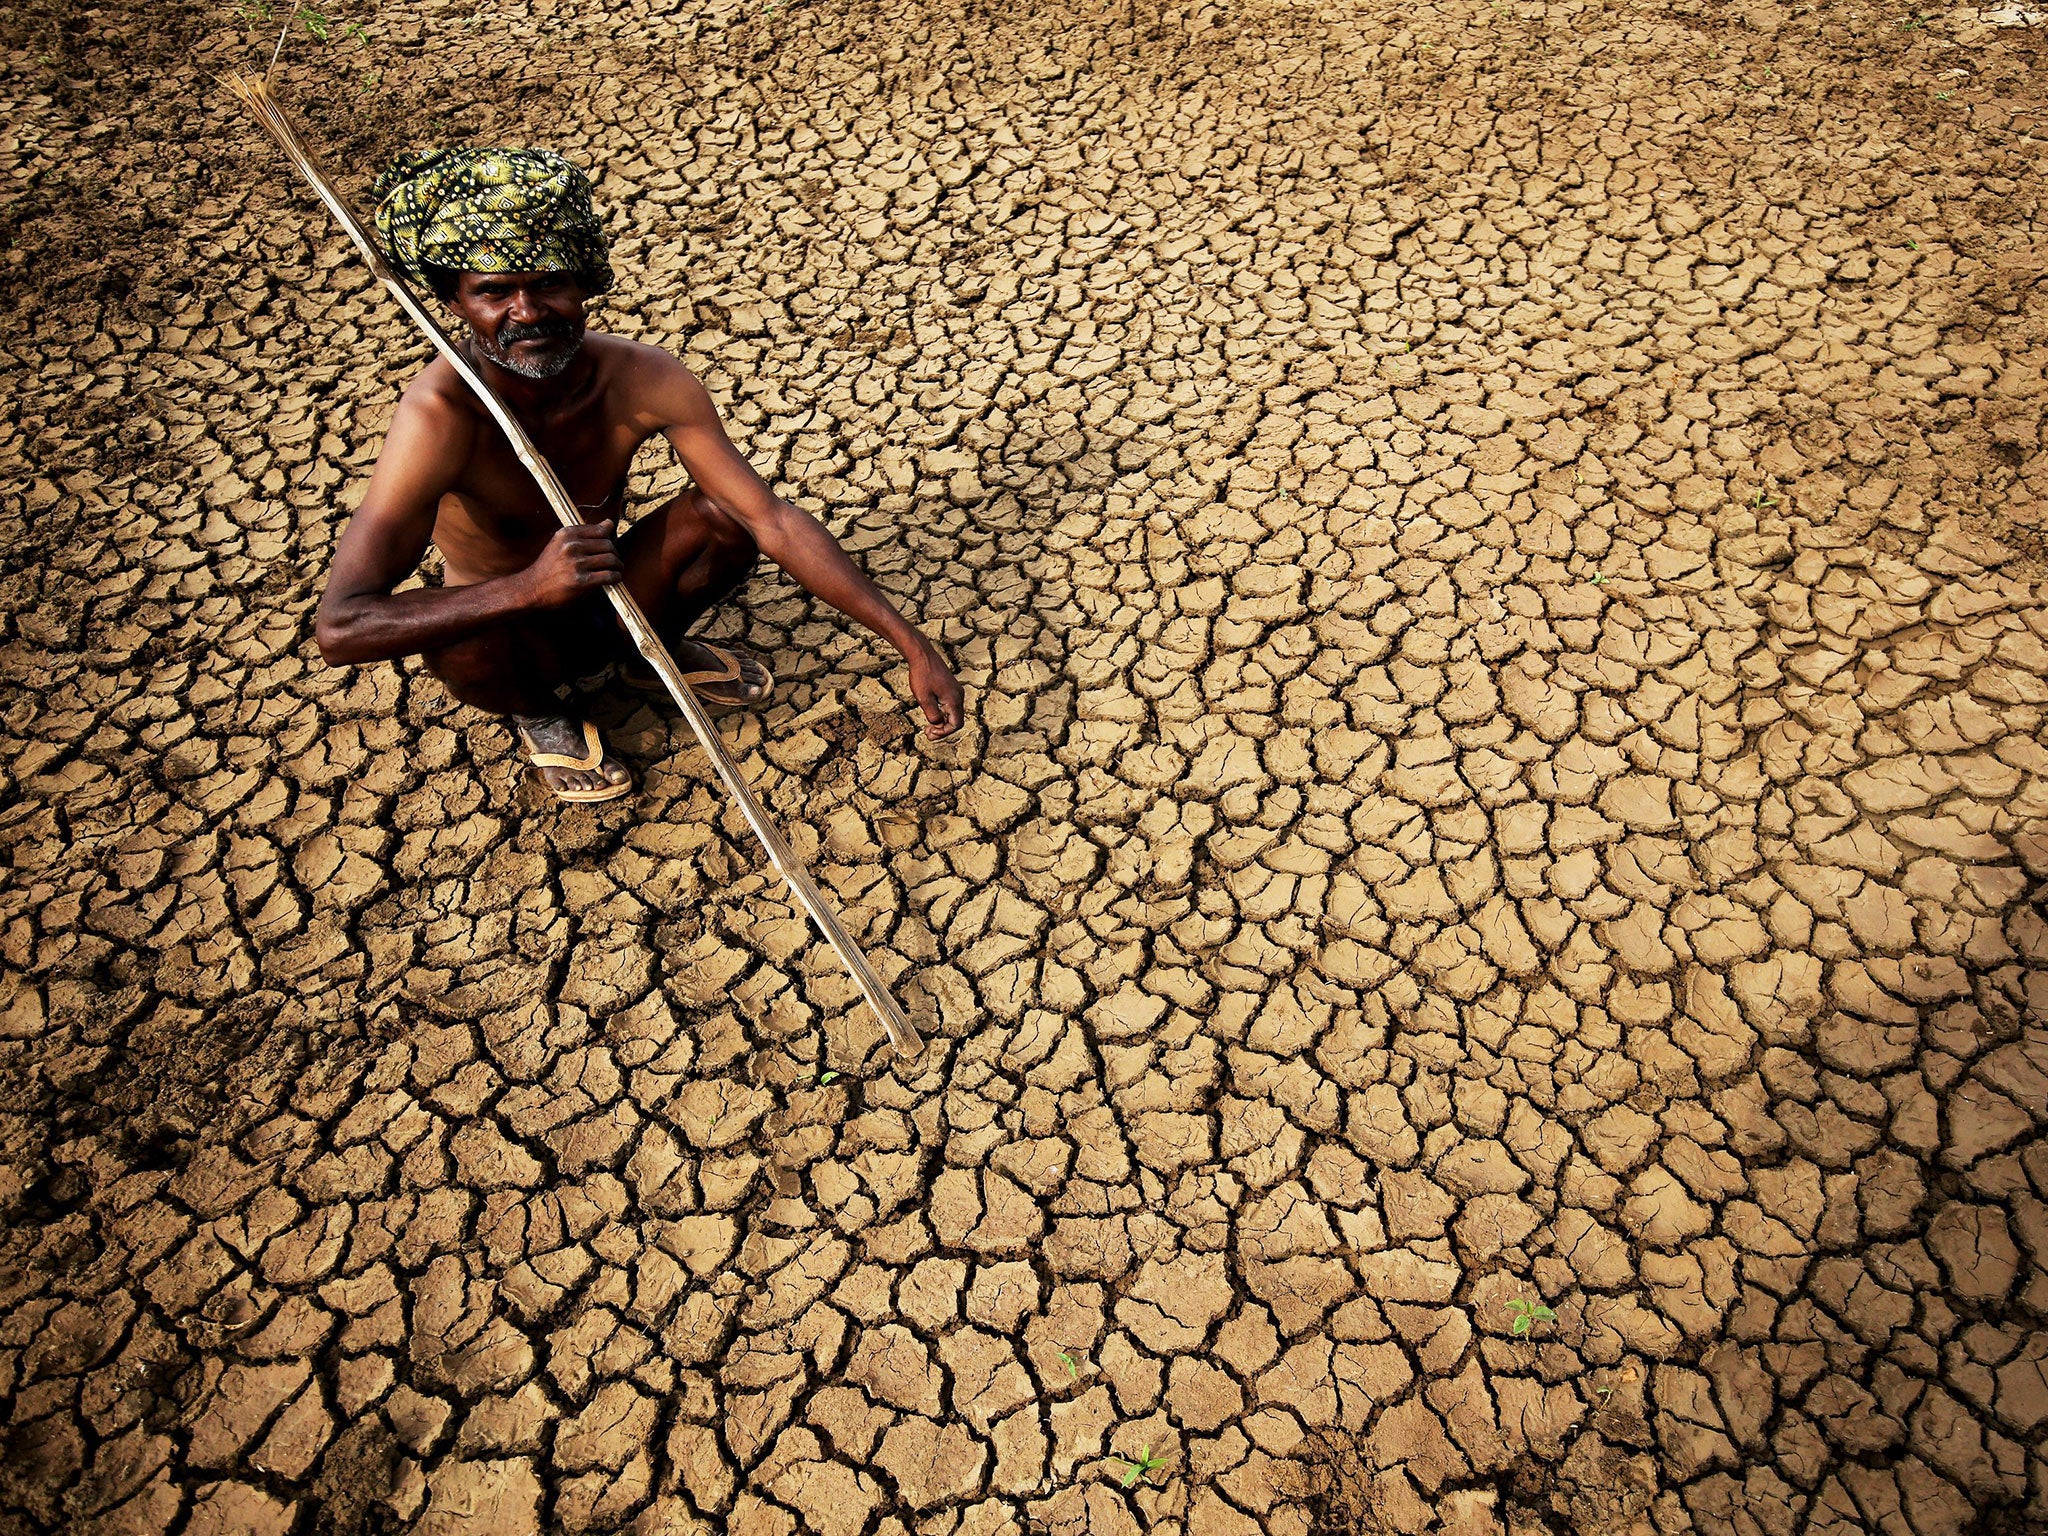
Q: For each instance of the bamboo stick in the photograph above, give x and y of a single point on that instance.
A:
(256, 95)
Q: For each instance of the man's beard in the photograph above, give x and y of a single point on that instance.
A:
(544, 366)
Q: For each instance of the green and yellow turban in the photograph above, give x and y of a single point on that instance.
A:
(490, 210)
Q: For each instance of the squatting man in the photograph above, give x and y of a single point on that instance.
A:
(510, 240)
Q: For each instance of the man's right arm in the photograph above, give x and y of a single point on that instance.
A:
(362, 619)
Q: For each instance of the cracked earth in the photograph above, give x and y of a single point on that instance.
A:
(1495, 552)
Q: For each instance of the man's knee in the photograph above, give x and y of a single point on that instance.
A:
(480, 677)
(724, 534)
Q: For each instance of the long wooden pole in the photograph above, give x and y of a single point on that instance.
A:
(256, 96)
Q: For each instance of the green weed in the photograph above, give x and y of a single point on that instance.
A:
(319, 26)
(1527, 1314)
(1067, 1360)
(1144, 1466)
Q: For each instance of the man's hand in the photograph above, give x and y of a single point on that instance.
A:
(576, 562)
(937, 691)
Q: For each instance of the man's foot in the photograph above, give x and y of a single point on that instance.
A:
(717, 674)
(571, 759)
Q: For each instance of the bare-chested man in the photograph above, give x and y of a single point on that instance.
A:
(508, 238)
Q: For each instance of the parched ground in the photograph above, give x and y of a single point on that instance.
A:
(1495, 550)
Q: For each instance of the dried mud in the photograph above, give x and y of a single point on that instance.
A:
(1496, 553)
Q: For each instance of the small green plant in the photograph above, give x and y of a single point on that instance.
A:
(1067, 1360)
(1912, 245)
(1943, 95)
(318, 24)
(1144, 1466)
(826, 1077)
(1760, 499)
(1527, 1314)
(1598, 578)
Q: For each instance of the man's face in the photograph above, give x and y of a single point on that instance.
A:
(530, 323)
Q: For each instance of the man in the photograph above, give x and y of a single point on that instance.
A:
(510, 241)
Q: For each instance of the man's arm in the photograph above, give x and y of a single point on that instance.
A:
(362, 619)
(791, 537)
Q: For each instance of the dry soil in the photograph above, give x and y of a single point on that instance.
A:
(1494, 548)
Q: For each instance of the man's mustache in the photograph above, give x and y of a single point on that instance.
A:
(512, 332)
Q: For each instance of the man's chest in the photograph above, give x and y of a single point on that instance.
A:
(590, 458)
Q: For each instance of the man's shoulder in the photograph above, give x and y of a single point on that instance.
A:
(438, 393)
(636, 358)
(649, 382)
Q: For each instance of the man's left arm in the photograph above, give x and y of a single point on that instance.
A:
(792, 538)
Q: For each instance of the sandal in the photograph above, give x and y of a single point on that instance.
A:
(593, 755)
(721, 684)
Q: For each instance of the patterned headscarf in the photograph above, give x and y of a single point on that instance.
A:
(490, 210)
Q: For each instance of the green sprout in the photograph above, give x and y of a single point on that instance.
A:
(1912, 245)
(826, 1077)
(1144, 1466)
(1527, 1314)
(1762, 500)
(1943, 95)
(1067, 1360)
(1598, 578)
(318, 24)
